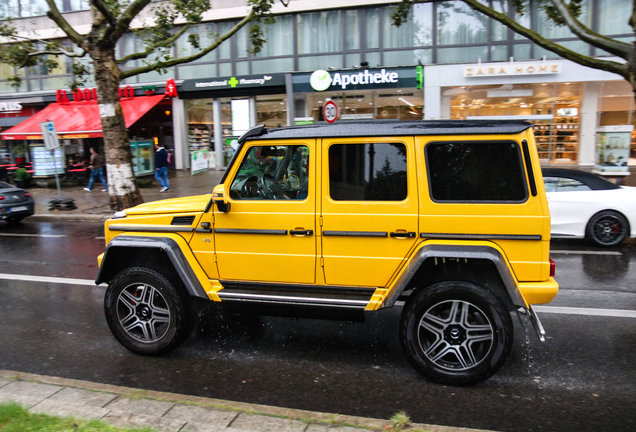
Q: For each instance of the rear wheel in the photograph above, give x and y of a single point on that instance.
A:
(607, 228)
(456, 333)
(15, 220)
(146, 312)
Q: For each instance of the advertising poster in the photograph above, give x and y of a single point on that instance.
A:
(199, 161)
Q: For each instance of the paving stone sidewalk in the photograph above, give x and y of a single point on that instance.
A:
(170, 412)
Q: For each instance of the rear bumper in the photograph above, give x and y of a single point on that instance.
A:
(539, 292)
(8, 212)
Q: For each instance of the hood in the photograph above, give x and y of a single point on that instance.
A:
(174, 205)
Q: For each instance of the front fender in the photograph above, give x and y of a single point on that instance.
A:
(175, 248)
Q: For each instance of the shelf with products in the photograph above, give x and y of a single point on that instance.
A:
(559, 136)
(199, 135)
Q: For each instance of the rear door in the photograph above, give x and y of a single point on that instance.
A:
(369, 209)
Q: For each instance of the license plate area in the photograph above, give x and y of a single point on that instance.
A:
(17, 209)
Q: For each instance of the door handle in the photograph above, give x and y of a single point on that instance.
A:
(403, 234)
(301, 232)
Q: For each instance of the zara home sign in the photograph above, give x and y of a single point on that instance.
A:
(508, 69)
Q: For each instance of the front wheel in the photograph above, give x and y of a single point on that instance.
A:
(146, 312)
(456, 333)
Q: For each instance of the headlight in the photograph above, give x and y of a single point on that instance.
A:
(119, 215)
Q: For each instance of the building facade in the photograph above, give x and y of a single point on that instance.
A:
(471, 66)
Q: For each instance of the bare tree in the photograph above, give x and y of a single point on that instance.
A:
(111, 19)
(561, 14)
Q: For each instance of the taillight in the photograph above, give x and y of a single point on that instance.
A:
(1, 197)
(552, 268)
(27, 194)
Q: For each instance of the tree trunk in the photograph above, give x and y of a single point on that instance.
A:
(122, 185)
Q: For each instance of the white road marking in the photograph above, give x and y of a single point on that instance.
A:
(31, 235)
(47, 279)
(619, 313)
(568, 252)
(100, 238)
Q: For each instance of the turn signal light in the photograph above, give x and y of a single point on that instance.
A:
(552, 268)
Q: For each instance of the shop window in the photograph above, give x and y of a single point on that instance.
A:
(368, 172)
(459, 24)
(489, 171)
(272, 173)
(319, 32)
(271, 110)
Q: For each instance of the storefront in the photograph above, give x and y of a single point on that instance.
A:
(360, 94)
(219, 110)
(565, 101)
(78, 125)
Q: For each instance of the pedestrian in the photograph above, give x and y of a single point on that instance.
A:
(161, 168)
(96, 170)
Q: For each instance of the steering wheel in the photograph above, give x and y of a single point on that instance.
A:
(270, 188)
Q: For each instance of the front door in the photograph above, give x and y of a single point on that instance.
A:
(268, 233)
(369, 209)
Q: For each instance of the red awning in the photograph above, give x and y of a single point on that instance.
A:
(78, 119)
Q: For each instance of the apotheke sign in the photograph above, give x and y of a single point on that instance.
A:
(356, 79)
(511, 69)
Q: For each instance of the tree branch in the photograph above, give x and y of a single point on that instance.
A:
(58, 53)
(101, 7)
(610, 45)
(150, 50)
(55, 15)
(123, 23)
(609, 66)
(193, 57)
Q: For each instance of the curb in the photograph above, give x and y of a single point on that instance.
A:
(267, 410)
(47, 217)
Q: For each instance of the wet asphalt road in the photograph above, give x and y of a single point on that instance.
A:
(582, 379)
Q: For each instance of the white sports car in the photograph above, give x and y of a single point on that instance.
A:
(585, 205)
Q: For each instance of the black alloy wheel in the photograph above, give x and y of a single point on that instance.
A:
(146, 312)
(456, 333)
(607, 228)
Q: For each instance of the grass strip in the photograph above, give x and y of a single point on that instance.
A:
(16, 418)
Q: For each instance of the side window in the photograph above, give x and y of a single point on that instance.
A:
(487, 171)
(571, 185)
(367, 172)
(272, 173)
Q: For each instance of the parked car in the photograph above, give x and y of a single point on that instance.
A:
(15, 203)
(340, 221)
(584, 205)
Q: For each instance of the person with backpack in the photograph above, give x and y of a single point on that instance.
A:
(161, 168)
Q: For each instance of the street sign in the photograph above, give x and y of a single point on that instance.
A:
(50, 135)
(330, 111)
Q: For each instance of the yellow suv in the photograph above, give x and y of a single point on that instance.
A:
(338, 221)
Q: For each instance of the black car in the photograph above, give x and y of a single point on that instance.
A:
(15, 203)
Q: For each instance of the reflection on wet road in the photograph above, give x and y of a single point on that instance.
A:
(582, 379)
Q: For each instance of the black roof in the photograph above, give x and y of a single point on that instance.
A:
(391, 128)
(592, 180)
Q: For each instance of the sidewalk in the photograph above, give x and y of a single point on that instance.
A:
(94, 205)
(170, 412)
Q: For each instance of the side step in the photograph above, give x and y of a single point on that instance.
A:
(347, 303)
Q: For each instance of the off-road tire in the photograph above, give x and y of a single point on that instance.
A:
(471, 313)
(167, 307)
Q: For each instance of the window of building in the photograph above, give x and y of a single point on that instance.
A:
(459, 24)
(273, 173)
(613, 17)
(489, 171)
(278, 37)
(416, 31)
(319, 32)
(368, 172)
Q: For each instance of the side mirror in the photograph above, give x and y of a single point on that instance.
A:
(220, 198)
